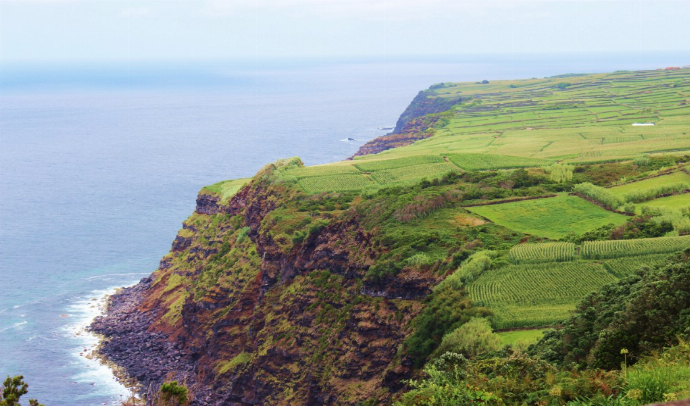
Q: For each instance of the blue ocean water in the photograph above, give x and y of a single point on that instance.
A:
(99, 165)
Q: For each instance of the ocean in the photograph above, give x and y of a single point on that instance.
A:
(100, 164)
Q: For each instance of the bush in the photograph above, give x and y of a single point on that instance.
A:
(599, 194)
(472, 339)
(644, 195)
(173, 394)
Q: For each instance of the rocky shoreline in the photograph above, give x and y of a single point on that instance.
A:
(140, 358)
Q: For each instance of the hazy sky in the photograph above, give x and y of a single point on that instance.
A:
(130, 30)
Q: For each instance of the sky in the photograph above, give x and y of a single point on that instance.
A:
(76, 31)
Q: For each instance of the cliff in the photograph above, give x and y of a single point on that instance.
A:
(265, 302)
(417, 122)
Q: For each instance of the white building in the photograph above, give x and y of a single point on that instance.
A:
(642, 124)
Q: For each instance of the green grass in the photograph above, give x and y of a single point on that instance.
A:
(553, 217)
(412, 174)
(651, 183)
(335, 183)
(227, 188)
(537, 294)
(472, 162)
(378, 165)
(520, 336)
(672, 202)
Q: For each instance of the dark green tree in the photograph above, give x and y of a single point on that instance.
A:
(13, 389)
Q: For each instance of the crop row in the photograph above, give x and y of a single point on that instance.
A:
(485, 161)
(625, 266)
(625, 248)
(323, 170)
(335, 183)
(388, 164)
(536, 284)
(546, 252)
(412, 173)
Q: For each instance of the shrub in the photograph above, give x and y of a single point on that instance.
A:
(599, 194)
(644, 195)
(472, 339)
(173, 394)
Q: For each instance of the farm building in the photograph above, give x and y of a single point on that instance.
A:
(642, 124)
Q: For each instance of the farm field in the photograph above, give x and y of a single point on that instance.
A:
(624, 248)
(553, 217)
(673, 202)
(535, 295)
(529, 123)
(541, 294)
(521, 336)
(651, 183)
(589, 118)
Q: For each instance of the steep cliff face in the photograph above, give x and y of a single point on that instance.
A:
(265, 302)
(415, 123)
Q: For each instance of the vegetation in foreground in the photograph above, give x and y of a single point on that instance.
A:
(13, 389)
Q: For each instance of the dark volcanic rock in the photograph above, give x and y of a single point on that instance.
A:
(149, 357)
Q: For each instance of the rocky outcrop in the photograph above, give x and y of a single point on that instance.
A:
(245, 319)
(148, 356)
(415, 123)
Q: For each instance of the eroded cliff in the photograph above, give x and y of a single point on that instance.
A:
(264, 301)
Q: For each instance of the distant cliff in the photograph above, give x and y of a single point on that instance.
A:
(415, 123)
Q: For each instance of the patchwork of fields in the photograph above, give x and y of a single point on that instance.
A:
(529, 123)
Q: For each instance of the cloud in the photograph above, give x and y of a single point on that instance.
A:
(134, 12)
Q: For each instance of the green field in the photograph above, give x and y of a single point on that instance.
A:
(474, 162)
(624, 248)
(545, 252)
(529, 123)
(537, 294)
(651, 183)
(590, 120)
(553, 217)
(541, 294)
(520, 336)
(227, 188)
(681, 201)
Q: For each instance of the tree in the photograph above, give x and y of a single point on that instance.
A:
(13, 389)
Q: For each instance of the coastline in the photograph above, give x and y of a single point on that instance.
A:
(96, 371)
(140, 359)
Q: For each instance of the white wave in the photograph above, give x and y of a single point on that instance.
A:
(81, 313)
(110, 275)
(14, 326)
